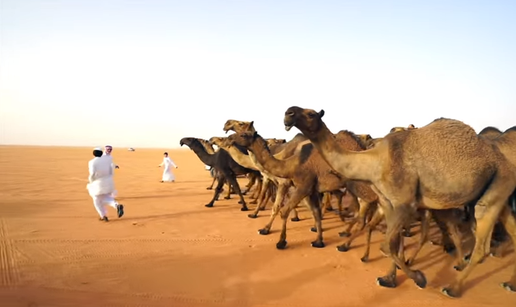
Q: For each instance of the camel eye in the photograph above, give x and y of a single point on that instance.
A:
(312, 115)
(241, 124)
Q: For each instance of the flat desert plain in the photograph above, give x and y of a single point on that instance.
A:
(169, 250)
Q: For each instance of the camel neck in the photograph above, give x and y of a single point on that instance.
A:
(200, 151)
(278, 168)
(354, 165)
(241, 158)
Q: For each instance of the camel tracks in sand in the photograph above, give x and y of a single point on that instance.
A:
(8, 262)
(151, 240)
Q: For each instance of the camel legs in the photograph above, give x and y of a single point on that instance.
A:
(265, 183)
(261, 198)
(363, 209)
(233, 181)
(509, 223)
(218, 189)
(252, 180)
(280, 196)
(292, 202)
(370, 226)
(314, 203)
(396, 218)
(425, 223)
(487, 211)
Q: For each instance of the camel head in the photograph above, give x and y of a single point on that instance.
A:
(364, 137)
(220, 141)
(308, 121)
(244, 139)
(188, 141)
(274, 141)
(238, 126)
(397, 129)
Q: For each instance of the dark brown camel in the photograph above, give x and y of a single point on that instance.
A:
(227, 168)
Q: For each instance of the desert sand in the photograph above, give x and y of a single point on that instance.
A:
(169, 250)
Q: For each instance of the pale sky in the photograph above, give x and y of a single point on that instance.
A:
(145, 73)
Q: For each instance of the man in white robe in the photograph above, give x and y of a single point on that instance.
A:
(168, 176)
(101, 185)
(107, 153)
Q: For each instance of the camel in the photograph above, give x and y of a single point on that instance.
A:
(406, 170)
(285, 149)
(309, 173)
(227, 168)
(506, 142)
(241, 156)
(368, 197)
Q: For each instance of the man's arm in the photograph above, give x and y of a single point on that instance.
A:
(91, 169)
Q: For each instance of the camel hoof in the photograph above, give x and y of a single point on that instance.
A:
(507, 286)
(208, 188)
(344, 234)
(295, 219)
(420, 279)
(209, 205)
(253, 202)
(449, 293)
(226, 197)
(264, 231)
(343, 248)
(318, 244)
(252, 216)
(244, 209)
(281, 245)
(386, 282)
(313, 229)
(364, 259)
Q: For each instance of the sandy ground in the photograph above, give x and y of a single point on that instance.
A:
(169, 250)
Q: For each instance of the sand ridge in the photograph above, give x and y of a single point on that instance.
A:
(169, 250)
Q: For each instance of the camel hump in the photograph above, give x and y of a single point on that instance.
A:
(489, 130)
(510, 130)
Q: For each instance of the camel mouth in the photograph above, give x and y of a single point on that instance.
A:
(288, 127)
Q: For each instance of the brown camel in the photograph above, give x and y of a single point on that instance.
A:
(406, 170)
(309, 173)
(368, 198)
(241, 156)
(285, 150)
(506, 142)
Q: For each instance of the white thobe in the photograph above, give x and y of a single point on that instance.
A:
(113, 166)
(168, 176)
(100, 184)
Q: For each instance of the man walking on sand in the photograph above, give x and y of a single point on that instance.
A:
(107, 153)
(101, 185)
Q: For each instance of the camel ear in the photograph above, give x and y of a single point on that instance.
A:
(321, 113)
(251, 123)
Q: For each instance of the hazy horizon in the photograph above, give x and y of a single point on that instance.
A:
(144, 74)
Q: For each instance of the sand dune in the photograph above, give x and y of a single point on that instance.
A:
(169, 250)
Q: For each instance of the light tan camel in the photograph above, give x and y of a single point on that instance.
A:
(406, 169)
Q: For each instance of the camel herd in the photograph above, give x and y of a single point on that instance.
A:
(443, 172)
